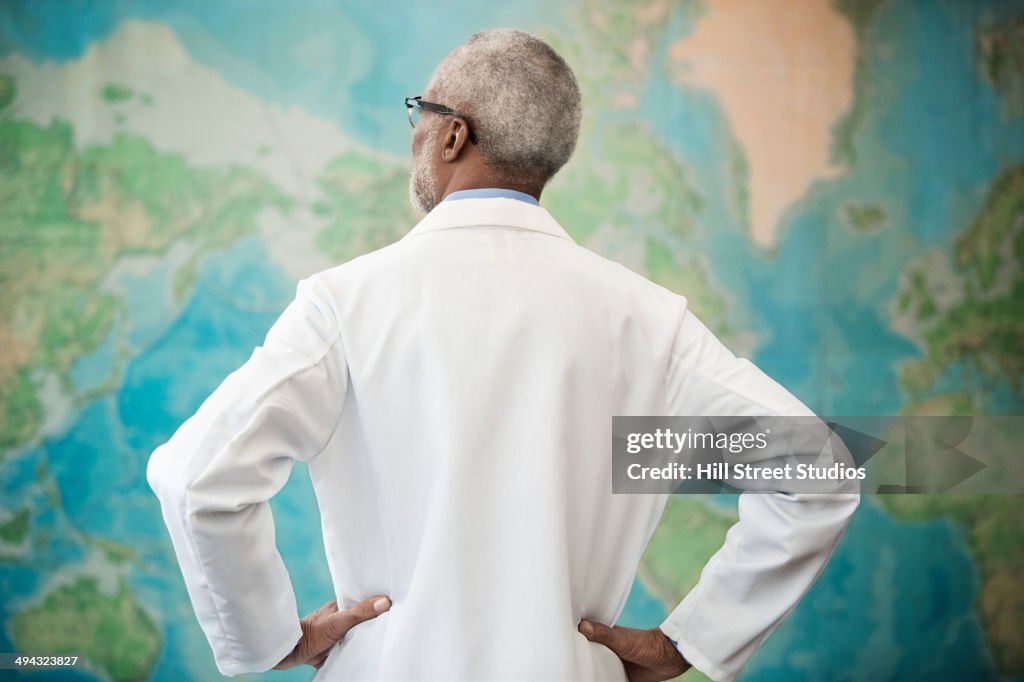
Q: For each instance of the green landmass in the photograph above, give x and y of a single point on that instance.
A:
(983, 333)
(366, 203)
(986, 335)
(184, 280)
(916, 298)
(995, 239)
(864, 218)
(690, 532)
(69, 216)
(612, 50)
(117, 553)
(629, 180)
(627, 175)
(861, 14)
(48, 484)
(114, 93)
(15, 530)
(112, 632)
(999, 54)
(616, 26)
(20, 409)
(740, 173)
(692, 280)
(7, 90)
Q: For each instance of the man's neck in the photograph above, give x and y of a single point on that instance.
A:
(461, 183)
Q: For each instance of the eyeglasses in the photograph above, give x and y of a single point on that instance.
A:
(414, 105)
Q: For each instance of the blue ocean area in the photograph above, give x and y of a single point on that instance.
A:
(90, 371)
(895, 602)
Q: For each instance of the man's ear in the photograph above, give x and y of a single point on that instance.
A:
(454, 138)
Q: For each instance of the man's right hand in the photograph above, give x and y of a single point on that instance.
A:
(647, 655)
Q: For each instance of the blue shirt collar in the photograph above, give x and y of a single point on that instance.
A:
(491, 193)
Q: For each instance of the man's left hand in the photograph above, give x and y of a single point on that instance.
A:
(646, 655)
(326, 626)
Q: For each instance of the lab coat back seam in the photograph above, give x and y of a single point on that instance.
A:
(314, 284)
(344, 394)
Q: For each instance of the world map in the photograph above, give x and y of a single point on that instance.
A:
(836, 186)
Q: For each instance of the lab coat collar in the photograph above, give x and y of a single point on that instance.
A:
(492, 212)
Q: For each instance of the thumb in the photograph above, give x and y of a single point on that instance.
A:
(598, 632)
(339, 623)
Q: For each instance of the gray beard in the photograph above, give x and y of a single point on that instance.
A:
(422, 179)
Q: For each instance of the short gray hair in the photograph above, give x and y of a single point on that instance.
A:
(519, 97)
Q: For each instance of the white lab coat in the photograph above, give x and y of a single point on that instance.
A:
(453, 394)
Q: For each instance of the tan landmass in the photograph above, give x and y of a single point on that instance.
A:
(783, 74)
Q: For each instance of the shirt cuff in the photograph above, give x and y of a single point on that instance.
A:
(695, 657)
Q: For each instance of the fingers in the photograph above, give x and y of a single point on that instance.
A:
(326, 626)
(318, 661)
(339, 623)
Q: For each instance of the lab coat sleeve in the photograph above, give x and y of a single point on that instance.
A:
(215, 475)
(782, 540)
